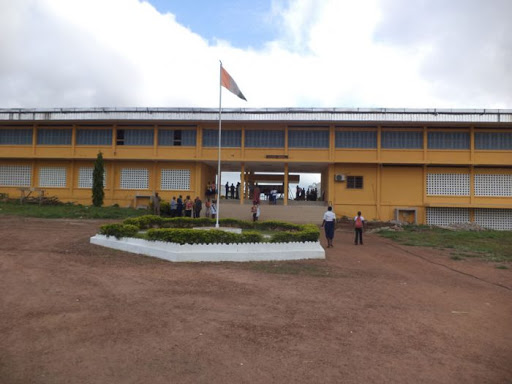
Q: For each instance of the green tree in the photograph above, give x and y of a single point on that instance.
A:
(97, 181)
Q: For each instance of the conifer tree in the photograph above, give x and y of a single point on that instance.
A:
(97, 181)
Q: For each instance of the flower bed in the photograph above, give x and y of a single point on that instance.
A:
(174, 239)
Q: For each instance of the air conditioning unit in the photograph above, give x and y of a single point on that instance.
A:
(340, 177)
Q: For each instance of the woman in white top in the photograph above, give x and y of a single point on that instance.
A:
(328, 224)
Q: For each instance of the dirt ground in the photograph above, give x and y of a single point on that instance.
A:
(72, 312)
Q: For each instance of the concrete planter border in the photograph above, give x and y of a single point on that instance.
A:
(214, 252)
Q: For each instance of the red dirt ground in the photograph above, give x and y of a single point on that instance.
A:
(72, 312)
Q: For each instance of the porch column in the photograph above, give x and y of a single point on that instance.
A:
(285, 189)
(241, 189)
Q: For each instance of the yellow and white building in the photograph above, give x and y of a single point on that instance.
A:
(424, 165)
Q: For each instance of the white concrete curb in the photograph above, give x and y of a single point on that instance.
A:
(214, 252)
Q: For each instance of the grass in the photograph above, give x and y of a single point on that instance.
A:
(489, 245)
(68, 211)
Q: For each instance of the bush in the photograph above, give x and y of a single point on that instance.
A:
(119, 230)
(165, 209)
(179, 230)
(145, 222)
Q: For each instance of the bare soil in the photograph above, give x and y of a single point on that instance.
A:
(72, 312)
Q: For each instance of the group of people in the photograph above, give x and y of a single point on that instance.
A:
(232, 192)
(186, 207)
(329, 224)
(309, 195)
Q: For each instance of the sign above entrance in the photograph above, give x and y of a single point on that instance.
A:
(276, 156)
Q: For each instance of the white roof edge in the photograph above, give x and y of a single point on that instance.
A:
(260, 114)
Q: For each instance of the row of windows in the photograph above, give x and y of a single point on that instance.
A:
(262, 138)
(56, 177)
(457, 184)
(498, 219)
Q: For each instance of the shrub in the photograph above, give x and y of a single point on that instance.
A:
(308, 232)
(191, 236)
(165, 209)
(98, 193)
(119, 230)
(145, 222)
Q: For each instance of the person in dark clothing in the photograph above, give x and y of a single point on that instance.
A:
(359, 226)
(232, 191)
(198, 206)
(179, 207)
(227, 190)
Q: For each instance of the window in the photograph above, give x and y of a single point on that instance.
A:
(46, 136)
(134, 178)
(493, 140)
(94, 137)
(177, 137)
(15, 175)
(230, 138)
(354, 182)
(402, 139)
(52, 177)
(448, 184)
(498, 219)
(16, 136)
(85, 177)
(448, 140)
(143, 137)
(175, 179)
(446, 216)
(493, 185)
(356, 139)
(264, 139)
(308, 139)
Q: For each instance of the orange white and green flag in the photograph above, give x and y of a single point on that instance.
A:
(227, 82)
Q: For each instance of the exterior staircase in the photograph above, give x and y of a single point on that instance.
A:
(299, 212)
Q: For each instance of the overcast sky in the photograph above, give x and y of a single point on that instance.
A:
(288, 53)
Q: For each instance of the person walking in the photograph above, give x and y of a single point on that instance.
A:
(359, 224)
(328, 224)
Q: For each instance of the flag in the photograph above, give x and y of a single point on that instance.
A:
(227, 82)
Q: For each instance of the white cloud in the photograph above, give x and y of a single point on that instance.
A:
(334, 53)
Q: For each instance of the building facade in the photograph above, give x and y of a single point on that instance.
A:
(426, 166)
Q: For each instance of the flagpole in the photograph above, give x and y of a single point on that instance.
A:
(219, 145)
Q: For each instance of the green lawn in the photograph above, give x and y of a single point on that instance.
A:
(68, 211)
(487, 245)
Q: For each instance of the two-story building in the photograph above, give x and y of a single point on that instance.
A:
(423, 165)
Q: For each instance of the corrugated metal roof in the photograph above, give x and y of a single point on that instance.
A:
(263, 114)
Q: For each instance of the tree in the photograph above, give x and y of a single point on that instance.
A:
(97, 181)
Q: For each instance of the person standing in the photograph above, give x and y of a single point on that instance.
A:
(328, 224)
(208, 206)
(232, 189)
(227, 190)
(156, 204)
(179, 206)
(213, 209)
(189, 205)
(359, 224)
(257, 193)
(174, 206)
(237, 191)
(198, 206)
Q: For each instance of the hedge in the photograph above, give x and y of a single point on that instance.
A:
(194, 236)
(179, 230)
(119, 230)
